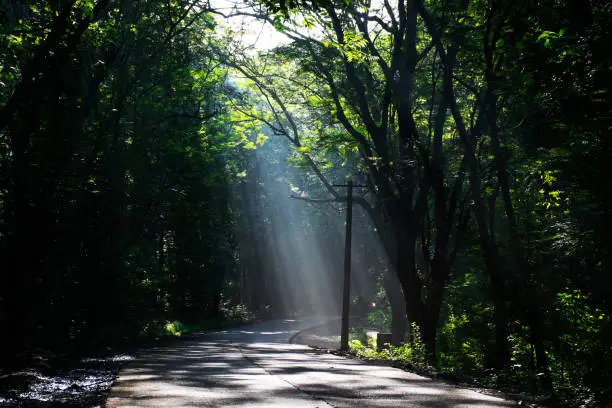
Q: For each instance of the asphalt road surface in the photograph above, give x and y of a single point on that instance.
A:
(255, 366)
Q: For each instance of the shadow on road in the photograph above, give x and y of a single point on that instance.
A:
(257, 368)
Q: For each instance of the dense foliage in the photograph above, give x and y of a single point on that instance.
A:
(131, 193)
(114, 188)
(480, 128)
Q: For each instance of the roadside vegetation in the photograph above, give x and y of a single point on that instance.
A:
(149, 153)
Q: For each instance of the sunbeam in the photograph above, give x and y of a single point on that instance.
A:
(294, 249)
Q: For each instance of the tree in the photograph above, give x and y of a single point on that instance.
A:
(385, 137)
(115, 205)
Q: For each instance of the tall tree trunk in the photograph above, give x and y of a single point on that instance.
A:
(533, 314)
(489, 250)
(398, 307)
(407, 274)
(393, 286)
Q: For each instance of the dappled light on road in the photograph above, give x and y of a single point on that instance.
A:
(258, 368)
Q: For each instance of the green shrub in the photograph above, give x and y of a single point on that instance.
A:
(175, 329)
(379, 319)
(410, 353)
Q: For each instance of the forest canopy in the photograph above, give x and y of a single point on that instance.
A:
(138, 141)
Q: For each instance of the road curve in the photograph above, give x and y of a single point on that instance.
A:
(255, 366)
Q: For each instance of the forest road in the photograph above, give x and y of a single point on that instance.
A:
(255, 366)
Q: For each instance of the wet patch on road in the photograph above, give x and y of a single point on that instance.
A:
(85, 384)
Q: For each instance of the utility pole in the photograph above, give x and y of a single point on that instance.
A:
(346, 289)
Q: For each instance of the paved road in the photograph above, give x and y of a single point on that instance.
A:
(254, 366)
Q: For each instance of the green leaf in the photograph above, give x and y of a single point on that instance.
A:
(261, 139)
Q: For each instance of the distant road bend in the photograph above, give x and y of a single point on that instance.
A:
(255, 366)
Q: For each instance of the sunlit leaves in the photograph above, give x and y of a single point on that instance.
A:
(261, 139)
(353, 47)
(547, 36)
(14, 40)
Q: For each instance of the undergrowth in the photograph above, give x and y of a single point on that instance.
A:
(410, 354)
(465, 368)
(164, 329)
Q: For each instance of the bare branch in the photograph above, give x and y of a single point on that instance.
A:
(381, 23)
(391, 14)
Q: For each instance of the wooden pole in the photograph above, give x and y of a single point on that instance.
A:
(346, 289)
